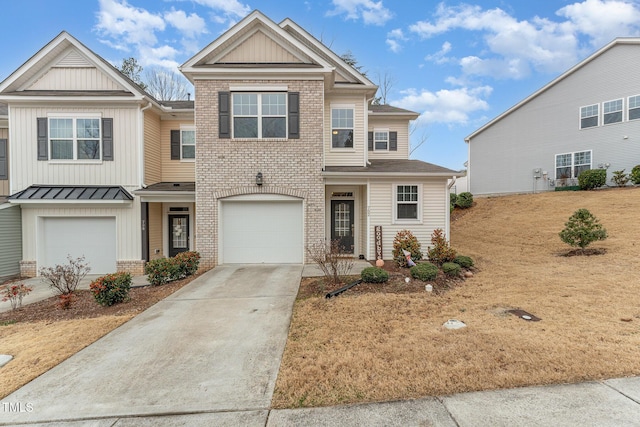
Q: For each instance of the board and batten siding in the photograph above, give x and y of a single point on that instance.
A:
(152, 151)
(175, 170)
(10, 240)
(259, 48)
(4, 183)
(435, 213)
(128, 231)
(346, 156)
(75, 79)
(156, 230)
(123, 170)
(503, 156)
(399, 126)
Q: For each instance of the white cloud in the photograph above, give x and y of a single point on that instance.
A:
(190, 26)
(127, 24)
(394, 37)
(230, 8)
(371, 12)
(445, 106)
(440, 57)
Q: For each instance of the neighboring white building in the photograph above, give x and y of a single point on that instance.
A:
(587, 118)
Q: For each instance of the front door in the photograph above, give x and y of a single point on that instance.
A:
(342, 224)
(178, 234)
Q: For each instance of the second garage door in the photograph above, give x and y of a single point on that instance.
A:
(264, 231)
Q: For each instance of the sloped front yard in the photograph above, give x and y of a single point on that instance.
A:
(362, 347)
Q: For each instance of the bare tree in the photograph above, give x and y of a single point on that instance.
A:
(167, 85)
(385, 83)
(420, 139)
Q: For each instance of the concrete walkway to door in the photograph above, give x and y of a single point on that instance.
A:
(211, 350)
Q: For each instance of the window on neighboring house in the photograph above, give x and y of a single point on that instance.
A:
(381, 140)
(188, 143)
(589, 116)
(570, 165)
(634, 107)
(407, 205)
(612, 111)
(74, 138)
(342, 127)
(259, 115)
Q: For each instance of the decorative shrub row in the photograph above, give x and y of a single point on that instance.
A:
(464, 200)
(463, 261)
(592, 178)
(424, 271)
(451, 269)
(164, 270)
(111, 289)
(634, 176)
(374, 275)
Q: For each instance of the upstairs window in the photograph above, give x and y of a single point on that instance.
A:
(342, 127)
(259, 115)
(188, 143)
(74, 138)
(407, 206)
(381, 140)
(634, 107)
(570, 165)
(612, 111)
(589, 116)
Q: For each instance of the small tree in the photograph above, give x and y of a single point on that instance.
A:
(331, 260)
(65, 278)
(620, 178)
(405, 240)
(582, 229)
(440, 252)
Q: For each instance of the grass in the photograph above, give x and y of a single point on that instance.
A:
(373, 347)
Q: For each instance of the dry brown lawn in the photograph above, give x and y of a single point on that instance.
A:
(363, 347)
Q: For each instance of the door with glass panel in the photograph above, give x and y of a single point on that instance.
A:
(342, 217)
(178, 234)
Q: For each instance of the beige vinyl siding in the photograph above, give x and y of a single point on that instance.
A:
(346, 156)
(152, 151)
(174, 170)
(156, 230)
(10, 241)
(434, 212)
(391, 125)
(75, 79)
(4, 183)
(123, 170)
(259, 48)
(128, 232)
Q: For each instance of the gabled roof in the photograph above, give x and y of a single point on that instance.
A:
(574, 69)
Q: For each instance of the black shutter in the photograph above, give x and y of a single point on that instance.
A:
(393, 141)
(4, 161)
(224, 116)
(43, 140)
(107, 139)
(370, 141)
(175, 145)
(294, 115)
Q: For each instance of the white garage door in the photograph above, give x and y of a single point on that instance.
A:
(93, 238)
(261, 232)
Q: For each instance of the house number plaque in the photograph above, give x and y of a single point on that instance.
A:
(378, 232)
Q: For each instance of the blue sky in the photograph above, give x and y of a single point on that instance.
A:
(458, 64)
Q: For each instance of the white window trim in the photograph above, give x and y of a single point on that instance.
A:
(259, 116)
(388, 140)
(397, 220)
(621, 112)
(573, 162)
(580, 117)
(628, 108)
(187, 128)
(74, 117)
(342, 107)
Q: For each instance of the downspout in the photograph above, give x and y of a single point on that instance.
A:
(141, 175)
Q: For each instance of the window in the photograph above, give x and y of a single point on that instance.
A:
(188, 143)
(407, 205)
(381, 140)
(589, 116)
(74, 138)
(342, 127)
(634, 107)
(570, 165)
(612, 111)
(259, 115)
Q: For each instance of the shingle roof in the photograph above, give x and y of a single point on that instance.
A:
(70, 192)
(398, 166)
(169, 186)
(178, 105)
(388, 109)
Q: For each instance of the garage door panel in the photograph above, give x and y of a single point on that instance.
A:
(262, 232)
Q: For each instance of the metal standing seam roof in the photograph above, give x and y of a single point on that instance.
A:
(75, 193)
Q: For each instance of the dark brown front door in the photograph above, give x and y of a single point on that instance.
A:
(342, 216)
(178, 234)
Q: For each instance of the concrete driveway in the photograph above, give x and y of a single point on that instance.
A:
(213, 347)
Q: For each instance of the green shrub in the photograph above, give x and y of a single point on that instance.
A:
(620, 178)
(463, 261)
(451, 268)
(440, 252)
(635, 175)
(374, 275)
(111, 289)
(162, 270)
(424, 271)
(406, 240)
(592, 178)
(582, 229)
(452, 198)
(188, 263)
(464, 200)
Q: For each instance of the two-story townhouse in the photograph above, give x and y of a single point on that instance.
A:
(291, 152)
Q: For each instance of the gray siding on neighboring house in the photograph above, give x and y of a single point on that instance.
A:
(10, 241)
(503, 156)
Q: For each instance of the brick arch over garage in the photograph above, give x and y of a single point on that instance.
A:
(240, 191)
